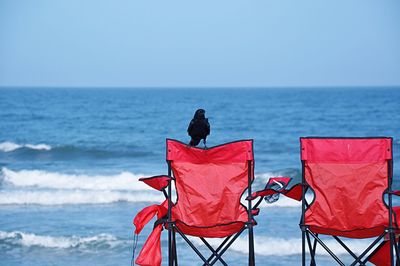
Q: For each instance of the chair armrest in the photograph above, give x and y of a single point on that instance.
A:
(396, 192)
(158, 182)
(262, 193)
(275, 185)
(294, 192)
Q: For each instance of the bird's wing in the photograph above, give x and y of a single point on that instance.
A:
(190, 126)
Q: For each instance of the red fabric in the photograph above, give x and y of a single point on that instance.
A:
(209, 186)
(262, 193)
(350, 150)
(234, 152)
(150, 255)
(145, 215)
(284, 181)
(348, 177)
(157, 182)
(255, 212)
(294, 193)
(382, 256)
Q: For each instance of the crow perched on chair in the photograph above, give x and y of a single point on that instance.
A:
(199, 128)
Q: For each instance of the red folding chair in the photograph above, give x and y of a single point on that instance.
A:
(350, 179)
(209, 185)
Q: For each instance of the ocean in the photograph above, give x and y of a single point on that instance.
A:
(70, 160)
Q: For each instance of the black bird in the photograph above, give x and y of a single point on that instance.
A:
(199, 128)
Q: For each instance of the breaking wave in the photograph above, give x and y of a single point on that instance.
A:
(261, 179)
(17, 238)
(55, 180)
(262, 245)
(60, 197)
(54, 188)
(283, 202)
(11, 146)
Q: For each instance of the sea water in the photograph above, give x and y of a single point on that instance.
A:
(70, 160)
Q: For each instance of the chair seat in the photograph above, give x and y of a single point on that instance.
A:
(216, 231)
(361, 232)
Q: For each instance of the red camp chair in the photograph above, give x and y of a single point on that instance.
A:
(350, 179)
(209, 185)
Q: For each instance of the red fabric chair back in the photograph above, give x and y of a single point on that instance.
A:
(348, 177)
(209, 184)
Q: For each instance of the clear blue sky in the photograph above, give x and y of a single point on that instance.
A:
(207, 43)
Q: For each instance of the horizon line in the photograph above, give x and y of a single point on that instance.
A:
(204, 87)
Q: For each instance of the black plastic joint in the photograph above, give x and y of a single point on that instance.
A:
(303, 227)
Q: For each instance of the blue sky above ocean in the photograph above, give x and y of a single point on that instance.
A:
(205, 44)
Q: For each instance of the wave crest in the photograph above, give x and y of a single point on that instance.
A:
(54, 188)
(55, 180)
(11, 146)
(60, 197)
(281, 246)
(59, 242)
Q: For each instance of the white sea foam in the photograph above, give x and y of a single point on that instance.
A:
(267, 175)
(55, 180)
(47, 188)
(264, 246)
(60, 197)
(59, 242)
(274, 246)
(44, 147)
(11, 146)
(261, 179)
(283, 202)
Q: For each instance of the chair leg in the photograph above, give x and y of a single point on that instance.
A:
(397, 245)
(358, 260)
(312, 251)
(326, 248)
(345, 247)
(251, 246)
(396, 250)
(193, 247)
(303, 247)
(226, 247)
(170, 255)
(216, 253)
(392, 244)
(175, 255)
(213, 251)
(315, 247)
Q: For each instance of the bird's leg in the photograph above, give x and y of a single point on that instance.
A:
(204, 142)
